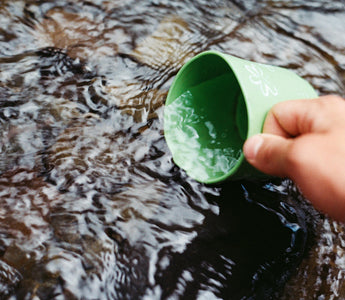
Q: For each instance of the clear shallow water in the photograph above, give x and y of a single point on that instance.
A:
(195, 141)
(92, 206)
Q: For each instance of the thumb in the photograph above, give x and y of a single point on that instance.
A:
(268, 153)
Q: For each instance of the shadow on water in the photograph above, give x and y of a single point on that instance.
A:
(249, 250)
(92, 205)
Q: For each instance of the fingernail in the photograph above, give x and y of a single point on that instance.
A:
(252, 146)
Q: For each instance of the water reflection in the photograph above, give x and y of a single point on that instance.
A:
(92, 206)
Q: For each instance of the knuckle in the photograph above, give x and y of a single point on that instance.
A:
(270, 160)
(266, 158)
(294, 158)
(336, 98)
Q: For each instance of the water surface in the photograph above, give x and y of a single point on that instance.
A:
(92, 205)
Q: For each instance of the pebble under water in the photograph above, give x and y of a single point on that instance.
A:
(92, 205)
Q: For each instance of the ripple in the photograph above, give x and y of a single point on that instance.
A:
(92, 205)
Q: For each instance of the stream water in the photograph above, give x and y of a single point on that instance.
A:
(91, 203)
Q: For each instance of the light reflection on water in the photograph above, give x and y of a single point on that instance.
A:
(92, 206)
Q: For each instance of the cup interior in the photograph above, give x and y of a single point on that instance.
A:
(206, 119)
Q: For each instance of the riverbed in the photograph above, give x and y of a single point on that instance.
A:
(92, 205)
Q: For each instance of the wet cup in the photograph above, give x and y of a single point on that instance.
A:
(214, 104)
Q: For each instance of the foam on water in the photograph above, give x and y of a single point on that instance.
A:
(195, 141)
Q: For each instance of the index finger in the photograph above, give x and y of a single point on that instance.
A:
(295, 117)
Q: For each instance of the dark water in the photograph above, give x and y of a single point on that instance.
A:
(91, 204)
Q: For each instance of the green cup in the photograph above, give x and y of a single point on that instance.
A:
(215, 103)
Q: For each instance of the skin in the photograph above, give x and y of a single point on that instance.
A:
(304, 140)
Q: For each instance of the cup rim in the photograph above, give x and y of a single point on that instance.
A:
(170, 99)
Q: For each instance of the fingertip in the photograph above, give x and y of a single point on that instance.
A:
(268, 153)
(251, 146)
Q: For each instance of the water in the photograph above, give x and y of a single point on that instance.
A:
(203, 146)
(92, 205)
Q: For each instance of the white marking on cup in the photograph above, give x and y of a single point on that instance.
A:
(257, 77)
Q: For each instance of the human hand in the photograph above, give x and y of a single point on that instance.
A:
(304, 140)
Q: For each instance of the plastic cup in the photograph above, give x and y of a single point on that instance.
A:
(214, 104)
